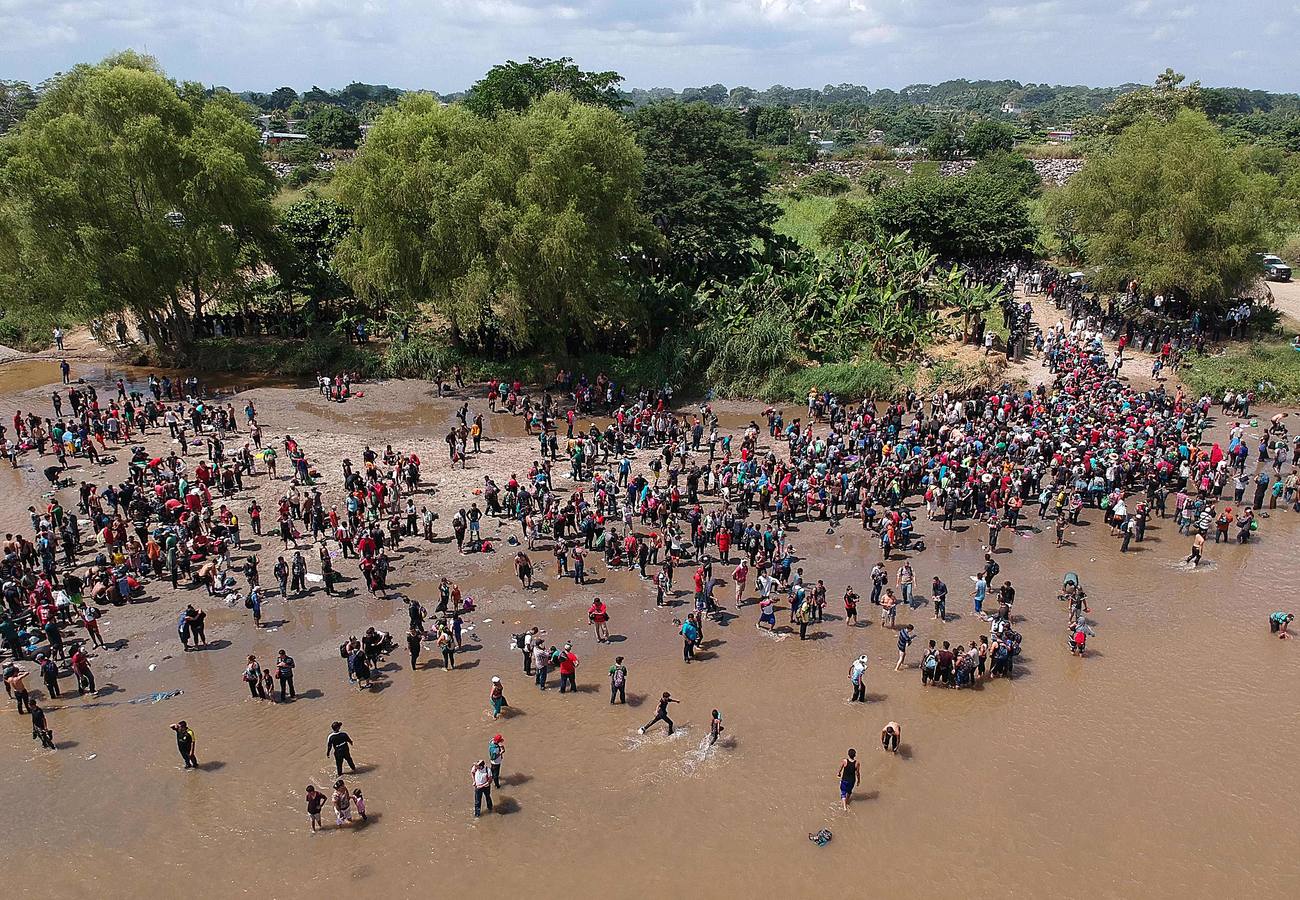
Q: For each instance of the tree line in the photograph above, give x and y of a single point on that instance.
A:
(542, 212)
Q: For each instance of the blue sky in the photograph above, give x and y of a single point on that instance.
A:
(445, 45)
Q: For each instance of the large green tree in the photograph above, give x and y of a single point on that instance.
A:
(512, 86)
(989, 136)
(17, 99)
(513, 226)
(312, 229)
(333, 127)
(123, 193)
(961, 219)
(1174, 207)
(1162, 101)
(704, 188)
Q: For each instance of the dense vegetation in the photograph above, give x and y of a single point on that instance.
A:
(548, 214)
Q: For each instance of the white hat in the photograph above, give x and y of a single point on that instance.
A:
(496, 679)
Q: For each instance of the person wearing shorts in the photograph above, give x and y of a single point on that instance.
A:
(767, 614)
(850, 777)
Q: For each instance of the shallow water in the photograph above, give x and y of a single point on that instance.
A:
(1155, 767)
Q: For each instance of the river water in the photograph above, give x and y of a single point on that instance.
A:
(1157, 766)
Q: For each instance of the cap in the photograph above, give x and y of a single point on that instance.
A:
(498, 739)
(496, 679)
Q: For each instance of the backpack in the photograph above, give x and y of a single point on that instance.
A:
(620, 674)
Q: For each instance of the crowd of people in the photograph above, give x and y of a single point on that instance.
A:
(655, 491)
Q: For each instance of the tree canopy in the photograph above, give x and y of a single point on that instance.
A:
(512, 228)
(124, 193)
(333, 127)
(989, 136)
(1162, 101)
(1174, 207)
(703, 188)
(311, 229)
(512, 86)
(961, 219)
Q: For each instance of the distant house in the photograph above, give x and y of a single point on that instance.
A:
(274, 138)
(875, 136)
(1061, 136)
(1011, 109)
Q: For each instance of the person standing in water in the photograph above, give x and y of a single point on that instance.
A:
(339, 744)
(497, 696)
(850, 777)
(482, 777)
(858, 678)
(315, 803)
(185, 743)
(496, 752)
(618, 681)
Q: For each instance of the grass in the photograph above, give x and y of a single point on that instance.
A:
(1271, 369)
(800, 219)
(993, 323)
(287, 195)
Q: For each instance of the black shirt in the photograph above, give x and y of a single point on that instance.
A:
(337, 742)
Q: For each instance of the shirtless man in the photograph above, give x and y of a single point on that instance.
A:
(890, 736)
(17, 683)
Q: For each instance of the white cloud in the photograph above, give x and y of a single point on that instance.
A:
(446, 44)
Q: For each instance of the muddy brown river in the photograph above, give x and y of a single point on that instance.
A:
(1158, 766)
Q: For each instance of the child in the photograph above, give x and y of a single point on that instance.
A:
(315, 803)
(360, 803)
(715, 728)
(268, 684)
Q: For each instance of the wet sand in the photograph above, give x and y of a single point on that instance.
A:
(1156, 767)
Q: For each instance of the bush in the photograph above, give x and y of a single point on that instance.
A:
(850, 380)
(298, 359)
(1272, 370)
(22, 335)
(874, 179)
(1291, 250)
(302, 175)
(825, 184)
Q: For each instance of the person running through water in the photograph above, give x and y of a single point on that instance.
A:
(715, 727)
(185, 743)
(661, 715)
(339, 744)
(850, 777)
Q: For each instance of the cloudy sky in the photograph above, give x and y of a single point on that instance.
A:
(445, 44)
